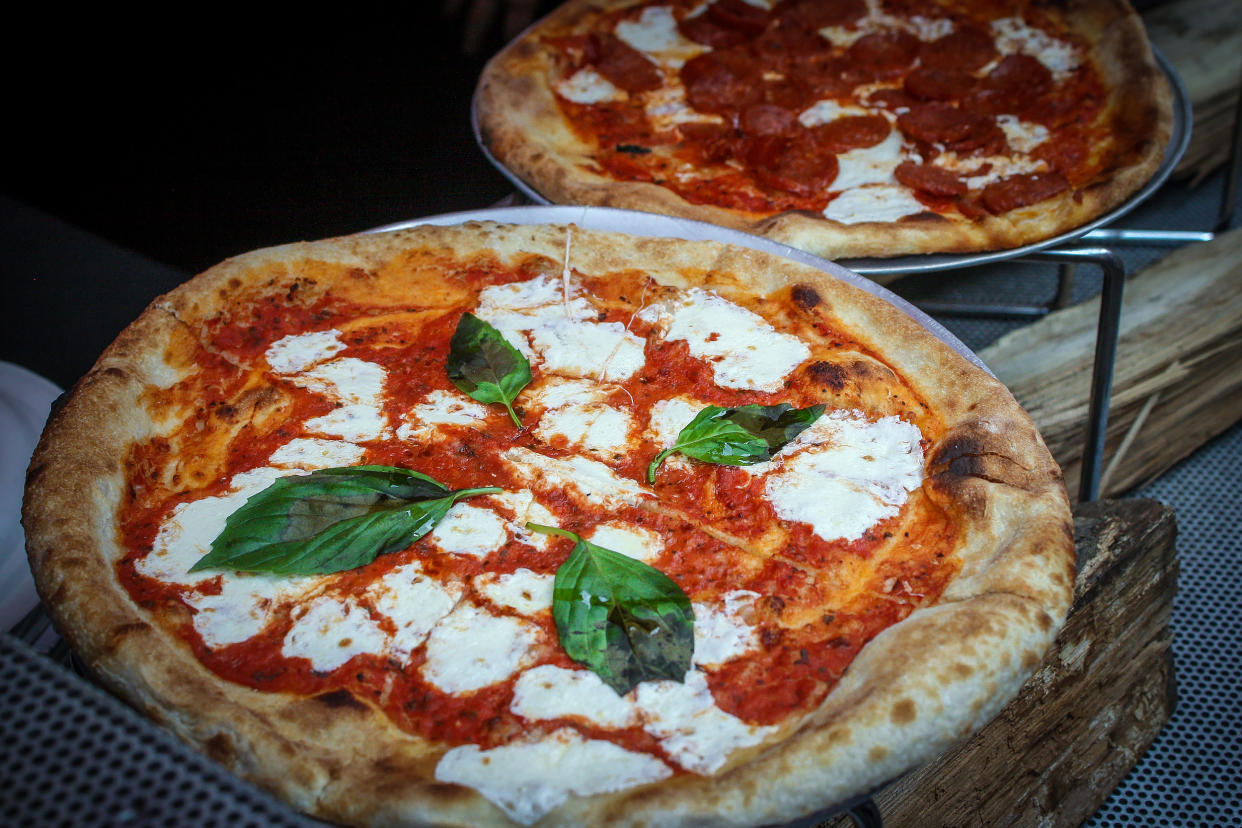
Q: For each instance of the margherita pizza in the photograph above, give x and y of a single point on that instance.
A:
(495, 524)
(842, 127)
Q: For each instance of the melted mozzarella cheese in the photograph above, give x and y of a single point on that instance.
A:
(297, 352)
(743, 350)
(470, 648)
(1014, 36)
(529, 778)
(721, 632)
(827, 111)
(596, 483)
(669, 417)
(691, 728)
(880, 202)
(666, 107)
(356, 423)
(575, 410)
(331, 632)
(244, 605)
(439, 408)
(869, 165)
(414, 603)
(587, 86)
(548, 327)
(526, 509)
(315, 453)
(980, 171)
(523, 590)
(550, 692)
(347, 379)
(656, 35)
(470, 530)
(1022, 136)
(632, 541)
(844, 474)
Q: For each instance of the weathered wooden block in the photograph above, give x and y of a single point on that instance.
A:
(1054, 754)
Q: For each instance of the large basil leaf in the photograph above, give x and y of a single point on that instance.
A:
(626, 621)
(331, 520)
(739, 436)
(483, 364)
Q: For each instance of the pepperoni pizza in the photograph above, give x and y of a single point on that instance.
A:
(842, 127)
(498, 524)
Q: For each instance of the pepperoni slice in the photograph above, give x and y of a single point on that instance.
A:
(940, 123)
(965, 49)
(780, 48)
(624, 65)
(930, 84)
(849, 133)
(810, 15)
(1020, 190)
(721, 82)
(767, 119)
(884, 54)
(790, 166)
(714, 143)
(1013, 85)
(702, 29)
(738, 15)
(891, 99)
(933, 181)
(787, 92)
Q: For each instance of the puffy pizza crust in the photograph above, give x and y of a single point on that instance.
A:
(523, 127)
(913, 691)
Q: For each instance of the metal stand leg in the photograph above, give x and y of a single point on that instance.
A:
(866, 815)
(1108, 329)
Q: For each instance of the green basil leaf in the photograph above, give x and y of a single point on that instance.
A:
(626, 621)
(483, 364)
(739, 436)
(331, 520)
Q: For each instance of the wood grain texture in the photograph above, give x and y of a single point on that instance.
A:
(1177, 381)
(1052, 756)
(1202, 39)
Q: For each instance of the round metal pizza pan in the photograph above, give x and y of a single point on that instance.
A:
(637, 223)
(1179, 139)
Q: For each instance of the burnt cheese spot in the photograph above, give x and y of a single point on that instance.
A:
(339, 699)
(805, 296)
(828, 374)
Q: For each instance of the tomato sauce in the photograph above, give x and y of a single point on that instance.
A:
(713, 521)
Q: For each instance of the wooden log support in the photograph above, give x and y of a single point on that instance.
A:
(1054, 754)
(1202, 39)
(1176, 383)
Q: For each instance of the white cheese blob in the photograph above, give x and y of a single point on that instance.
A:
(743, 350)
(523, 590)
(348, 379)
(551, 326)
(471, 648)
(666, 107)
(880, 202)
(931, 28)
(526, 509)
(721, 632)
(575, 410)
(1014, 36)
(695, 732)
(331, 632)
(827, 111)
(980, 171)
(247, 601)
(316, 453)
(632, 541)
(869, 165)
(668, 418)
(656, 35)
(297, 352)
(589, 479)
(470, 530)
(587, 86)
(414, 603)
(356, 423)
(550, 692)
(527, 779)
(1022, 136)
(844, 474)
(439, 408)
